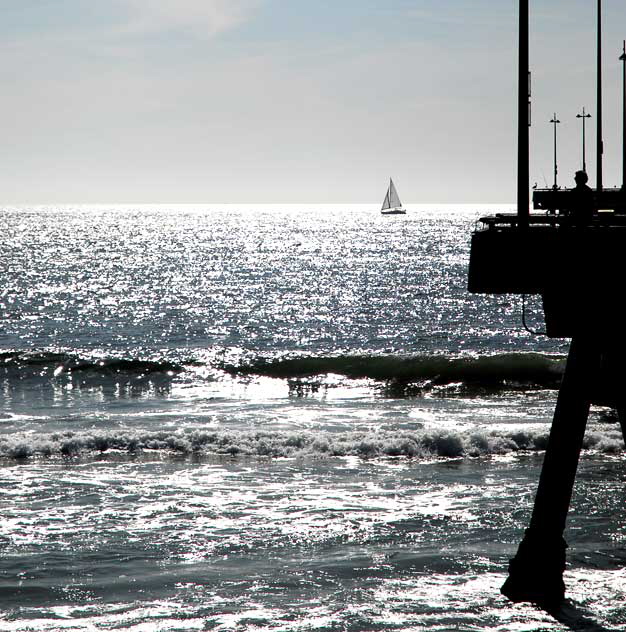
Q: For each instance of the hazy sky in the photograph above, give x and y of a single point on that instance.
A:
(294, 100)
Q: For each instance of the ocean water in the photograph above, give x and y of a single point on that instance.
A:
(275, 418)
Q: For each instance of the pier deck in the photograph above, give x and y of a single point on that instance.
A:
(578, 271)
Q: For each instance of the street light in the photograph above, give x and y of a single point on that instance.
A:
(584, 116)
(556, 122)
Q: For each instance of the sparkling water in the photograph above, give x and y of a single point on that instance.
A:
(279, 418)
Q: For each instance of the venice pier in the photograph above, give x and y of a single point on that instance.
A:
(577, 267)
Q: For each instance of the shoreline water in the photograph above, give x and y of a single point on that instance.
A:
(276, 419)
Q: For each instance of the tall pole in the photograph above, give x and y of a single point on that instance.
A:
(523, 176)
(584, 116)
(556, 122)
(600, 145)
(623, 59)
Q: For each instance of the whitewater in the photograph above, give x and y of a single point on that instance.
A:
(272, 417)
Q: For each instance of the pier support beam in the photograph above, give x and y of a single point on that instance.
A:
(536, 572)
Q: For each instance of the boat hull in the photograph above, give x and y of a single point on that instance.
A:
(394, 211)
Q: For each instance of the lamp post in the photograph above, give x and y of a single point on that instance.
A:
(584, 116)
(555, 121)
(623, 59)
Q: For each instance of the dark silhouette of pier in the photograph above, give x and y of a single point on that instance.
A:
(572, 254)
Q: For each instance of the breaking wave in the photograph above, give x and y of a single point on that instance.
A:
(540, 370)
(51, 364)
(394, 375)
(507, 369)
(423, 444)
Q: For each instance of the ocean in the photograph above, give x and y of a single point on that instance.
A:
(279, 418)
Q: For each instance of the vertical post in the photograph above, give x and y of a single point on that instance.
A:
(536, 572)
(555, 121)
(599, 143)
(584, 116)
(523, 176)
(623, 60)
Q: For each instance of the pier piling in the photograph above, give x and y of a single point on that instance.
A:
(536, 572)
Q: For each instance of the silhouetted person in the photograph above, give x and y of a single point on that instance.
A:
(582, 203)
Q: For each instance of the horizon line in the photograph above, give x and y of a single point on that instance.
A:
(123, 203)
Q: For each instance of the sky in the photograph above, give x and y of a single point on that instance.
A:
(296, 101)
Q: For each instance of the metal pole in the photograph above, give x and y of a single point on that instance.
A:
(584, 116)
(523, 197)
(584, 161)
(623, 60)
(600, 144)
(555, 121)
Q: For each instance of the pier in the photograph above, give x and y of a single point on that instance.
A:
(578, 269)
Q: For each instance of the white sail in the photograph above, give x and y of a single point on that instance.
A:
(392, 199)
(385, 202)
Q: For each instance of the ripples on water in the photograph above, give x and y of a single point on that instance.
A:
(267, 279)
(273, 418)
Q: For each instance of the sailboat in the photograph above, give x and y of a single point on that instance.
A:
(391, 203)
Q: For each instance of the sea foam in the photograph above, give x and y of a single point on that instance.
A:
(418, 444)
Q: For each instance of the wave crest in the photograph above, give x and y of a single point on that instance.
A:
(24, 363)
(418, 444)
(508, 368)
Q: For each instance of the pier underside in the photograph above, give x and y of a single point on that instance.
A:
(578, 270)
